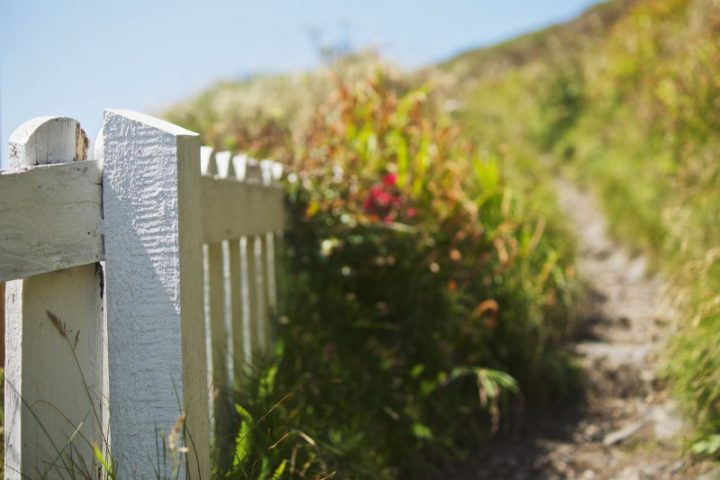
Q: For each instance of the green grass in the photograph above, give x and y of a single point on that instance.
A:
(429, 280)
(626, 100)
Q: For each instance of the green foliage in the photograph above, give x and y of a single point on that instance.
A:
(709, 446)
(243, 439)
(561, 101)
(626, 99)
(423, 295)
(655, 102)
(105, 462)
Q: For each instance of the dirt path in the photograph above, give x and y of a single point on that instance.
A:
(627, 428)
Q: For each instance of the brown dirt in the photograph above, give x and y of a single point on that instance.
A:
(627, 427)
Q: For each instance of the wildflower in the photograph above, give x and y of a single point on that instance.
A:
(390, 179)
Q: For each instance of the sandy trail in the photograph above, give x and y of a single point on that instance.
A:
(627, 428)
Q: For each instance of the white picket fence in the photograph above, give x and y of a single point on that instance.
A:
(141, 285)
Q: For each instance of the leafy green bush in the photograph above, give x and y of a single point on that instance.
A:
(421, 299)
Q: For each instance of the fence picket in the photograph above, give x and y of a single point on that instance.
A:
(252, 296)
(208, 165)
(2, 323)
(218, 334)
(53, 369)
(219, 338)
(272, 172)
(225, 166)
(270, 298)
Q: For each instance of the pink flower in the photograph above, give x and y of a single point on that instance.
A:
(383, 199)
(367, 205)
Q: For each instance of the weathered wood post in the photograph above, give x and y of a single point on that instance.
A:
(53, 369)
(156, 333)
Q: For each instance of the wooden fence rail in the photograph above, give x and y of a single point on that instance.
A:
(140, 286)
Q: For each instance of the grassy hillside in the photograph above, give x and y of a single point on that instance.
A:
(625, 100)
(428, 289)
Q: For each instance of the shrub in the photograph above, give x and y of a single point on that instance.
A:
(422, 301)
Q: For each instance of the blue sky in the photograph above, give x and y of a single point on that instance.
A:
(76, 57)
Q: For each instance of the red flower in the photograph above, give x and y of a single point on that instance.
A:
(383, 199)
(367, 205)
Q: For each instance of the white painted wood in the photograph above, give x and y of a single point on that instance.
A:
(279, 291)
(233, 287)
(47, 394)
(225, 166)
(2, 324)
(156, 334)
(240, 166)
(234, 301)
(208, 346)
(266, 167)
(233, 209)
(53, 369)
(47, 140)
(276, 169)
(253, 172)
(270, 176)
(50, 215)
(154, 197)
(215, 326)
(105, 400)
(273, 244)
(268, 308)
(253, 297)
(208, 165)
(219, 337)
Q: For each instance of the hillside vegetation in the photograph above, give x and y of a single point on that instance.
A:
(429, 264)
(626, 100)
(427, 296)
(428, 291)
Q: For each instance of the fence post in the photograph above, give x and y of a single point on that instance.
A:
(53, 369)
(156, 332)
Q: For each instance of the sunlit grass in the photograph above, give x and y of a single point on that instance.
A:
(630, 108)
